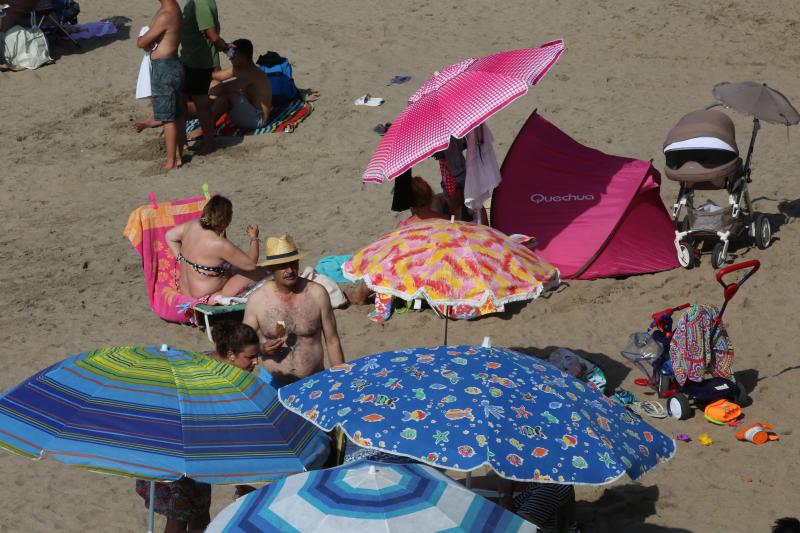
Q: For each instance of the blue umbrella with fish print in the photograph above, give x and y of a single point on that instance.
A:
(463, 407)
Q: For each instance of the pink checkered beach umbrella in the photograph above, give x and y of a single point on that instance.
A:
(455, 101)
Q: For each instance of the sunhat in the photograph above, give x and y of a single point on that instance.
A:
(280, 250)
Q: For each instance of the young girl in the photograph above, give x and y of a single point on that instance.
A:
(236, 344)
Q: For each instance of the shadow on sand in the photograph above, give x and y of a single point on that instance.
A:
(614, 369)
(624, 508)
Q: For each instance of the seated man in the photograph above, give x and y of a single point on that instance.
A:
(291, 314)
(246, 94)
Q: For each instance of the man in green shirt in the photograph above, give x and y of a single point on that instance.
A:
(200, 47)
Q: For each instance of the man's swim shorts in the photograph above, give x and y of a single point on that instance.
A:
(166, 84)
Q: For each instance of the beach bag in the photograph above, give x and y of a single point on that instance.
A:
(578, 367)
(338, 299)
(279, 71)
(25, 48)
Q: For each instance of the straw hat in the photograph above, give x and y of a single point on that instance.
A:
(280, 250)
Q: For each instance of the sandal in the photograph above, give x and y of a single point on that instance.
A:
(649, 408)
(623, 397)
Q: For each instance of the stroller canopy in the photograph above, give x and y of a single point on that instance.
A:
(701, 150)
(708, 124)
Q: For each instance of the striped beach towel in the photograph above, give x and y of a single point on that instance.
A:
(283, 119)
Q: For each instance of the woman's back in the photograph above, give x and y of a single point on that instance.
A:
(203, 270)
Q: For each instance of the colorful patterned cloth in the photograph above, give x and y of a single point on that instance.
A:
(146, 229)
(451, 263)
(183, 500)
(692, 349)
(449, 183)
(463, 407)
(283, 119)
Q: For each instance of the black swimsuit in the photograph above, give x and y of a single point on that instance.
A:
(211, 272)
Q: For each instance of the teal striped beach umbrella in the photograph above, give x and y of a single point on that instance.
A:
(366, 496)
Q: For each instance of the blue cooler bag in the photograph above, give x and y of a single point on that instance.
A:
(279, 71)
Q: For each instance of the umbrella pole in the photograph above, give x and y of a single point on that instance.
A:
(446, 319)
(469, 480)
(150, 510)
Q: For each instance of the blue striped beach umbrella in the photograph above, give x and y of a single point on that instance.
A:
(366, 496)
(158, 414)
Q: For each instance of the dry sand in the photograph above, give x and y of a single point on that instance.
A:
(72, 171)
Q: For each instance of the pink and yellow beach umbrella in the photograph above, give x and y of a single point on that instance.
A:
(454, 102)
(452, 264)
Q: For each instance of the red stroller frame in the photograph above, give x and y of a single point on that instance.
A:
(662, 380)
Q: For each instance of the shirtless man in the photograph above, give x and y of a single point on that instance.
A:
(166, 77)
(291, 314)
(246, 94)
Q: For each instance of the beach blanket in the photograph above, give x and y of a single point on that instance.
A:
(90, 30)
(283, 118)
(692, 349)
(146, 229)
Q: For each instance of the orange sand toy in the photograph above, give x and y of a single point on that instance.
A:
(722, 411)
(758, 433)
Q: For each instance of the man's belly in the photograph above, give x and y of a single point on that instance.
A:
(304, 358)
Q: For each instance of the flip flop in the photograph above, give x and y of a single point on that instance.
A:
(623, 397)
(653, 409)
(368, 100)
(399, 80)
(382, 128)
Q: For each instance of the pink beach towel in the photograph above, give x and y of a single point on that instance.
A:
(146, 229)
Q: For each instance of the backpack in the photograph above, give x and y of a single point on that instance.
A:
(279, 71)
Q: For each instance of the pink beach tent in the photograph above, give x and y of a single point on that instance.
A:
(594, 215)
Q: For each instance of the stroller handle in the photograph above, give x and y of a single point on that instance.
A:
(730, 289)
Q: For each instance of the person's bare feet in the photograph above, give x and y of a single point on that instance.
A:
(149, 122)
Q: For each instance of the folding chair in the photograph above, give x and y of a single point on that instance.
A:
(53, 11)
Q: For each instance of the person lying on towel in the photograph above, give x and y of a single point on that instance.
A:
(211, 265)
(245, 94)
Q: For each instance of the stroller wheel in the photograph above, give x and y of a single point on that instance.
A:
(686, 256)
(763, 228)
(678, 406)
(718, 255)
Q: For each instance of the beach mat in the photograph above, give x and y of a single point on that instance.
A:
(283, 119)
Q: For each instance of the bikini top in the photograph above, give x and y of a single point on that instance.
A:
(212, 272)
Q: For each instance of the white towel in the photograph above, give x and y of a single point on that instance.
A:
(483, 172)
(143, 83)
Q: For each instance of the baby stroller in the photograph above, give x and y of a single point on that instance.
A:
(654, 347)
(701, 154)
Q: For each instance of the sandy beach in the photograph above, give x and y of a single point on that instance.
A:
(72, 171)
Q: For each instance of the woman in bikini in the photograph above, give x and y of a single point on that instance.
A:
(211, 265)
